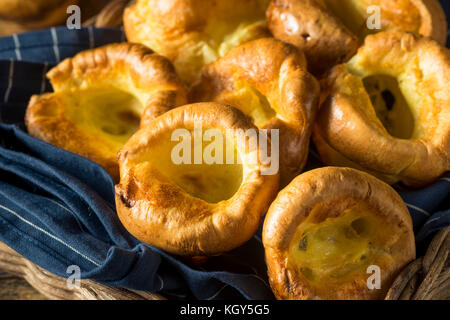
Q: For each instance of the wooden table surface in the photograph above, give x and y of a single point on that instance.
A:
(13, 288)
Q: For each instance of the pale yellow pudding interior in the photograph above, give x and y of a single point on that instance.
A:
(335, 249)
(211, 182)
(399, 14)
(108, 114)
(226, 31)
(390, 105)
(250, 101)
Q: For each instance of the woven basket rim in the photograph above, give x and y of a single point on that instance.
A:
(425, 278)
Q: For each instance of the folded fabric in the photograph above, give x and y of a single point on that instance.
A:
(57, 209)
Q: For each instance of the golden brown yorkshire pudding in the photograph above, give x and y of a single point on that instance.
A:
(311, 27)
(267, 80)
(423, 17)
(331, 232)
(100, 97)
(194, 207)
(193, 33)
(328, 30)
(388, 110)
(22, 15)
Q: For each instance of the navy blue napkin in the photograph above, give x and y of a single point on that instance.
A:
(57, 209)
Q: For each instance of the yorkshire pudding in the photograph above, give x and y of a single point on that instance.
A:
(388, 110)
(311, 27)
(267, 80)
(422, 17)
(193, 33)
(100, 97)
(328, 30)
(330, 230)
(194, 207)
(21, 15)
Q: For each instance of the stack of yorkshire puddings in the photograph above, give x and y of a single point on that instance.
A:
(204, 120)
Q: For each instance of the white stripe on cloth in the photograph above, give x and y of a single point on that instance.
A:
(221, 289)
(17, 47)
(180, 296)
(445, 179)
(217, 293)
(432, 220)
(418, 209)
(256, 273)
(50, 235)
(161, 281)
(10, 81)
(123, 36)
(55, 44)
(43, 81)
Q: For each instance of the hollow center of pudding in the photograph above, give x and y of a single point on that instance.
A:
(250, 101)
(208, 168)
(390, 105)
(335, 248)
(107, 114)
(360, 15)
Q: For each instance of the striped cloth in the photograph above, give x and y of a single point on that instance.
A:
(57, 209)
